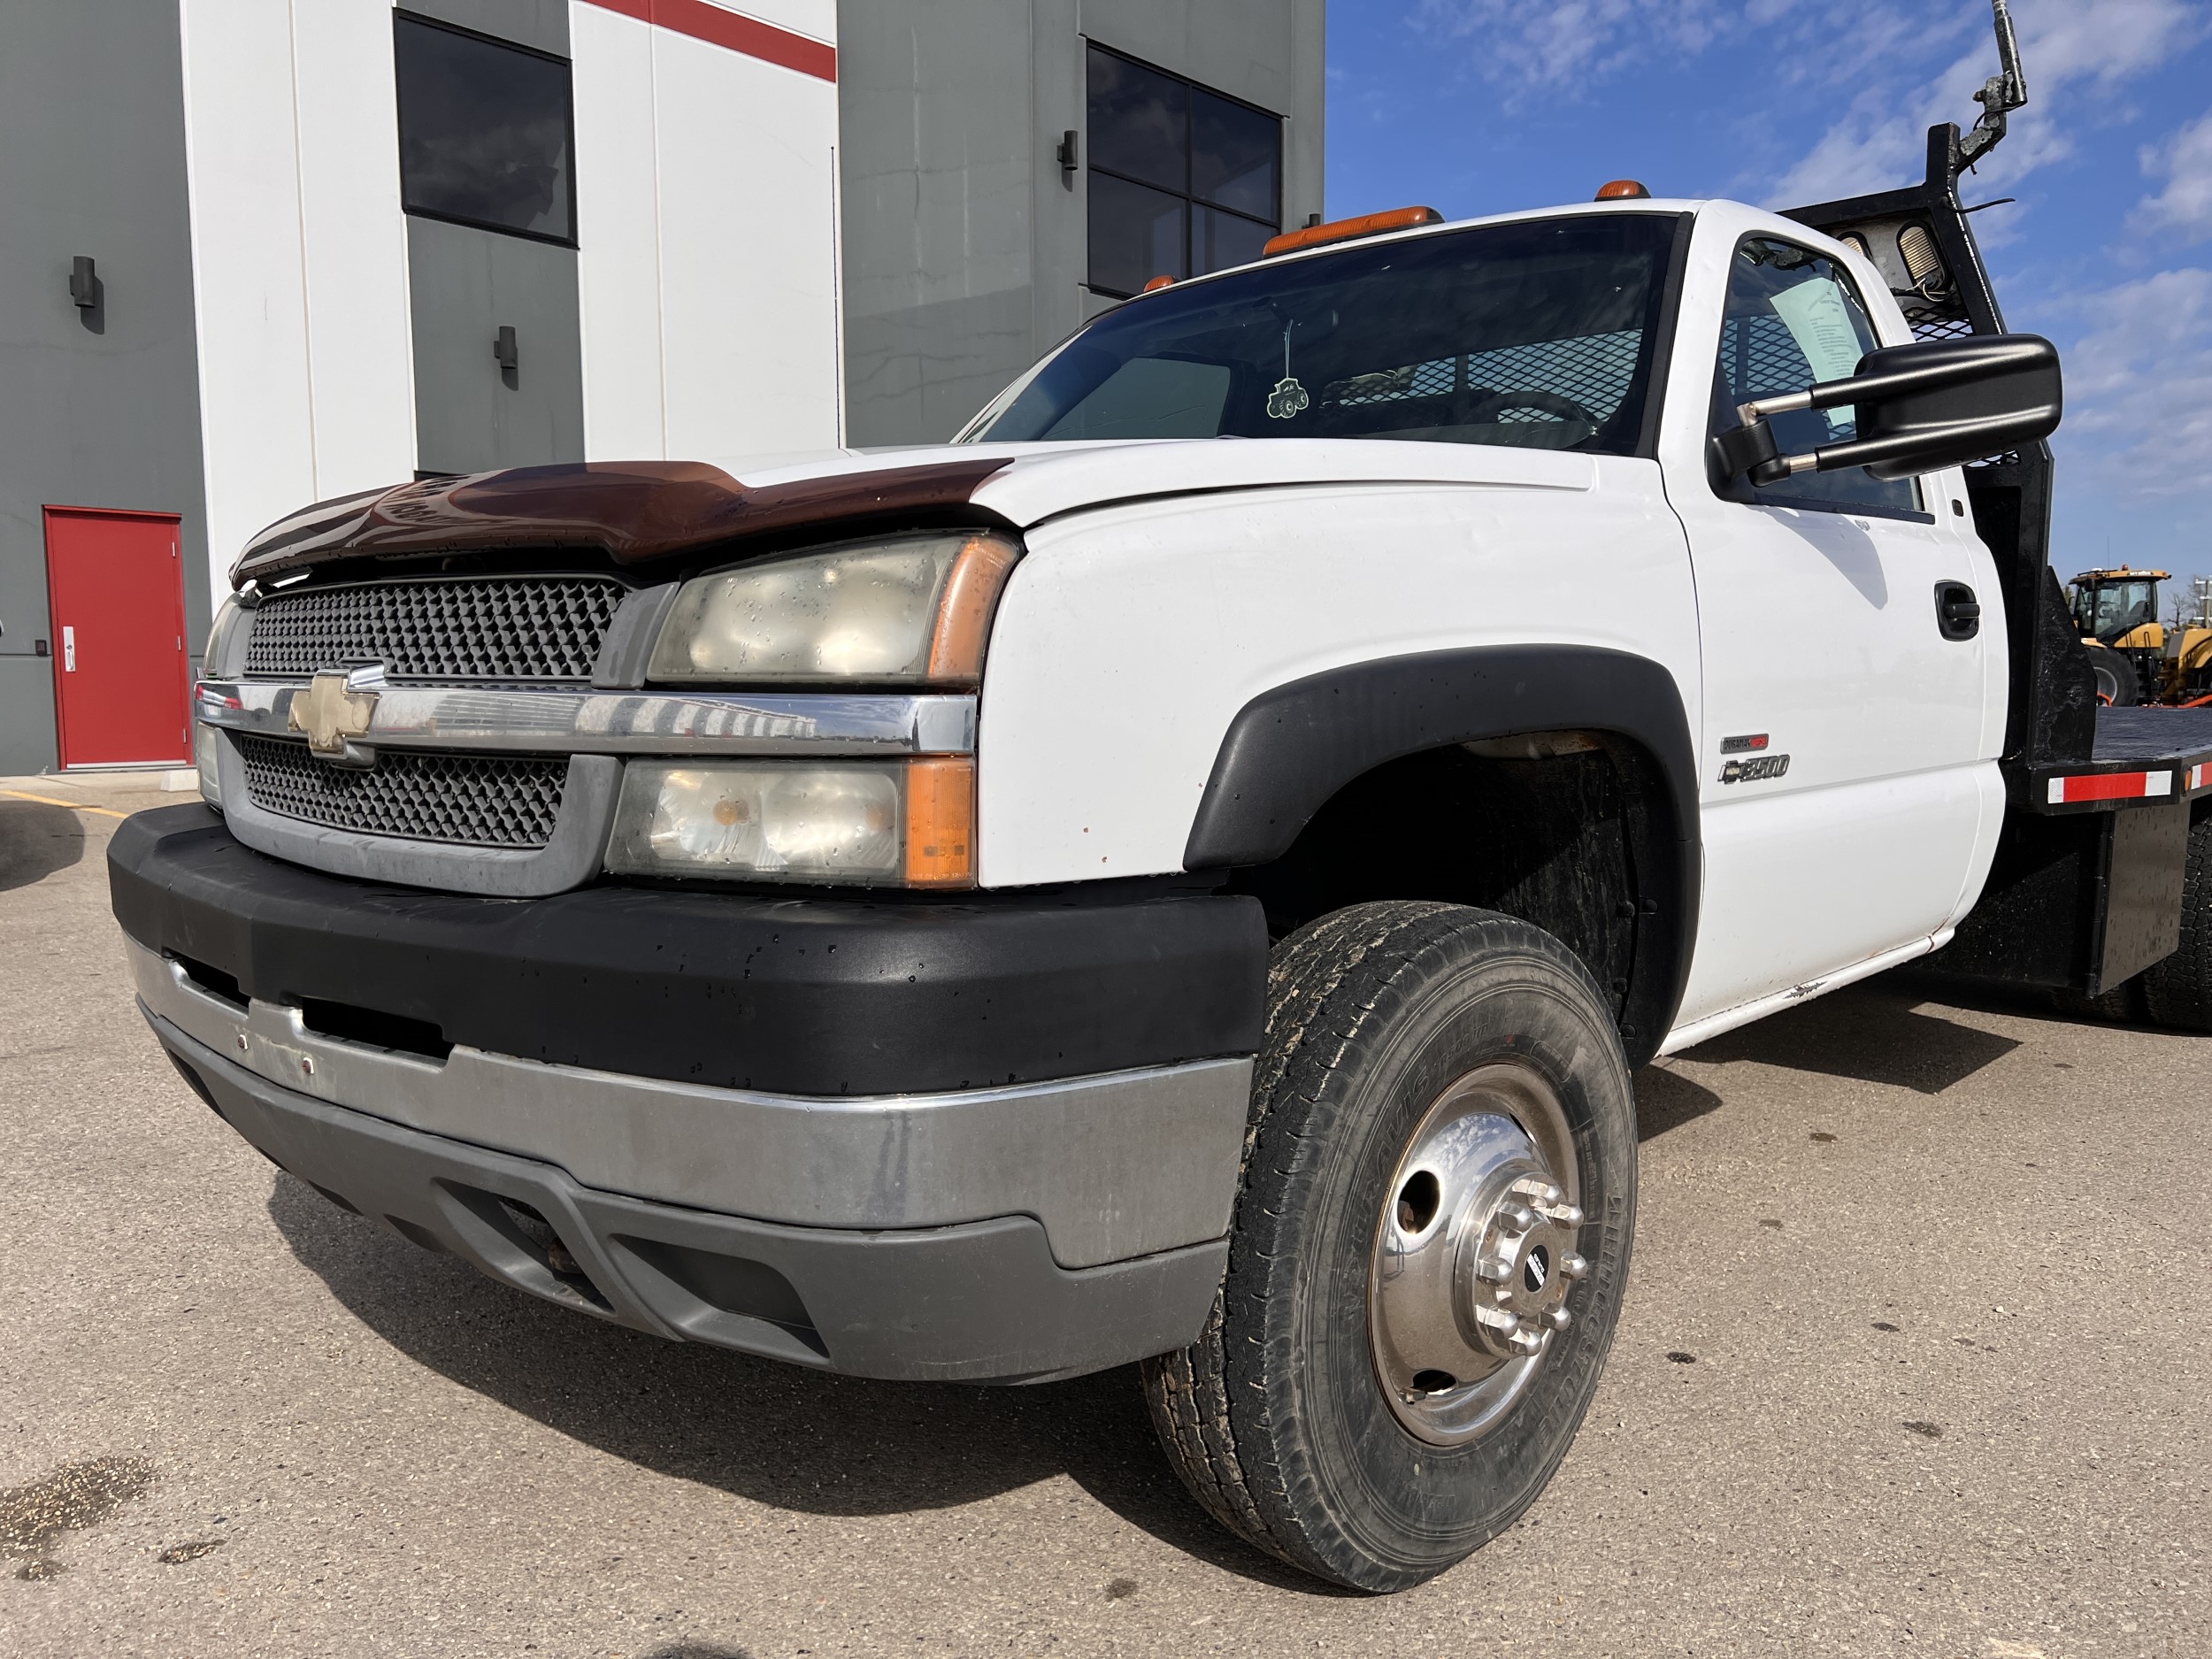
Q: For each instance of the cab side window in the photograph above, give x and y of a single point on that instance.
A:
(1794, 319)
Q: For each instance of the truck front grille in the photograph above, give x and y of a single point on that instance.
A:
(467, 800)
(464, 628)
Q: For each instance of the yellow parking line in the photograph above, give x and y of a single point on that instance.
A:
(47, 799)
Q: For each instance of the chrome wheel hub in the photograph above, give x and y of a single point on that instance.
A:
(1476, 1254)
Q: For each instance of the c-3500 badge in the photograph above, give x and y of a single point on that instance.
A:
(1757, 768)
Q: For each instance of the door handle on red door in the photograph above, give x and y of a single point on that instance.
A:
(68, 650)
(1958, 613)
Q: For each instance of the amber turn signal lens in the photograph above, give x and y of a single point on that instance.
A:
(941, 823)
(1345, 229)
(1156, 284)
(965, 608)
(1622, 190)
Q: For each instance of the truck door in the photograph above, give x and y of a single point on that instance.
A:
(1849, 792)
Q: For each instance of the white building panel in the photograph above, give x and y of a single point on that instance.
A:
(299, 257)
(817, 17)
(359, 346)
(618, 220)
(257, 422)
(748, 253)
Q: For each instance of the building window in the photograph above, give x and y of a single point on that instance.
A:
(1182, 181)
(486, 134)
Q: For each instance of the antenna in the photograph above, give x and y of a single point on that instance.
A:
(1999, 95)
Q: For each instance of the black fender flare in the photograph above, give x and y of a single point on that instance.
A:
(1291, 748)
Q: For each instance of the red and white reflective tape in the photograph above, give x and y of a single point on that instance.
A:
(2115, 786)
(2197, 775)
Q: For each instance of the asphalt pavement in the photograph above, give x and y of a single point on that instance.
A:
(1913, 1361)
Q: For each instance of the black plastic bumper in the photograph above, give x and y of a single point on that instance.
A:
(799, 996)
(979, 1302)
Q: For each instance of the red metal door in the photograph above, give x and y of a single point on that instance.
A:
(121, 674)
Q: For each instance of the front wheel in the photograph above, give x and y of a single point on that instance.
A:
(1429, 1249)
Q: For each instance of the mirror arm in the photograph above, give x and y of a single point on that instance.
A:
(1751, 448)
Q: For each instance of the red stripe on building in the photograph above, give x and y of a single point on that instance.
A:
(710, 23)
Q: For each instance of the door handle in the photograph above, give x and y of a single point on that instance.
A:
(1958, 613)
(68, 649)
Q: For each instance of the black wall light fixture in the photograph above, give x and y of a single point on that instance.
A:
(84, 283)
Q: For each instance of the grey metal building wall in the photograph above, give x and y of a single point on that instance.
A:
(963, 241)
(99, 408)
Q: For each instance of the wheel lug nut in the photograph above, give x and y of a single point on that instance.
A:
(1573, 1266)
(1528, 1343)
(1566, 1216)
(1520, 1217)
(1559, 1318)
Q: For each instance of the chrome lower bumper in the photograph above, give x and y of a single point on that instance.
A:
(1114, 1166)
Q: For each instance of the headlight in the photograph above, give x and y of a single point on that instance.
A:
(875, 823)
(225, 639)
(207, 744)
(911, 611)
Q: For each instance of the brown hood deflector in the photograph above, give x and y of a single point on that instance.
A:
(634, 511)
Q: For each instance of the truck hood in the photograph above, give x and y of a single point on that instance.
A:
(647, 512)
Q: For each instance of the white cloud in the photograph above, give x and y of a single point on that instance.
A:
(1548, 51)
(1552, 46)
(2184, 206)
(2138, 384)
(2063, 44)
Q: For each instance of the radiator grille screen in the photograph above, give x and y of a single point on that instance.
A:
(469, 800)
(504, 628)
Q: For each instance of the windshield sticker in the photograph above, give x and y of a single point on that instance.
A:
(1818, 319)
(1288, 398)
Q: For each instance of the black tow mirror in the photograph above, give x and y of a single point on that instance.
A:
(1933, 403)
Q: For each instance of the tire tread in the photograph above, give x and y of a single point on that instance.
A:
(1327, 984)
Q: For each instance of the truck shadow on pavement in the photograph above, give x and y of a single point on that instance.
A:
(773, 1433)
(1867, 1033)
(36, 841)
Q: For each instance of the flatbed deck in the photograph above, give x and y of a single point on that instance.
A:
(2140, 758)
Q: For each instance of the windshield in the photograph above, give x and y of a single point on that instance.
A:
(1537, 335)
(2116, 607)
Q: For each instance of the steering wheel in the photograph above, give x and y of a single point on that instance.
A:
(1486, 410)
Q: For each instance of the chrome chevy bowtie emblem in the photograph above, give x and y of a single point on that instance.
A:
(334, 708)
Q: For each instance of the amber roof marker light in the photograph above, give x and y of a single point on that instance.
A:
(1622, 190)
(1345, 229)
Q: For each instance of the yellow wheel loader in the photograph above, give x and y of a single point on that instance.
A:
(2137, 658)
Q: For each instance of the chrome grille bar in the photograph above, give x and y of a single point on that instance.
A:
(580, 722)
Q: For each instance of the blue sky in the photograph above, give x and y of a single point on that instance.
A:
(1483, 106)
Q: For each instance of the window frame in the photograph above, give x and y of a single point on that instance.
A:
(568, 109)
(1742, 491)
(1187, 195)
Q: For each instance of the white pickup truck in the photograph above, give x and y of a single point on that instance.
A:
(1184, 873)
